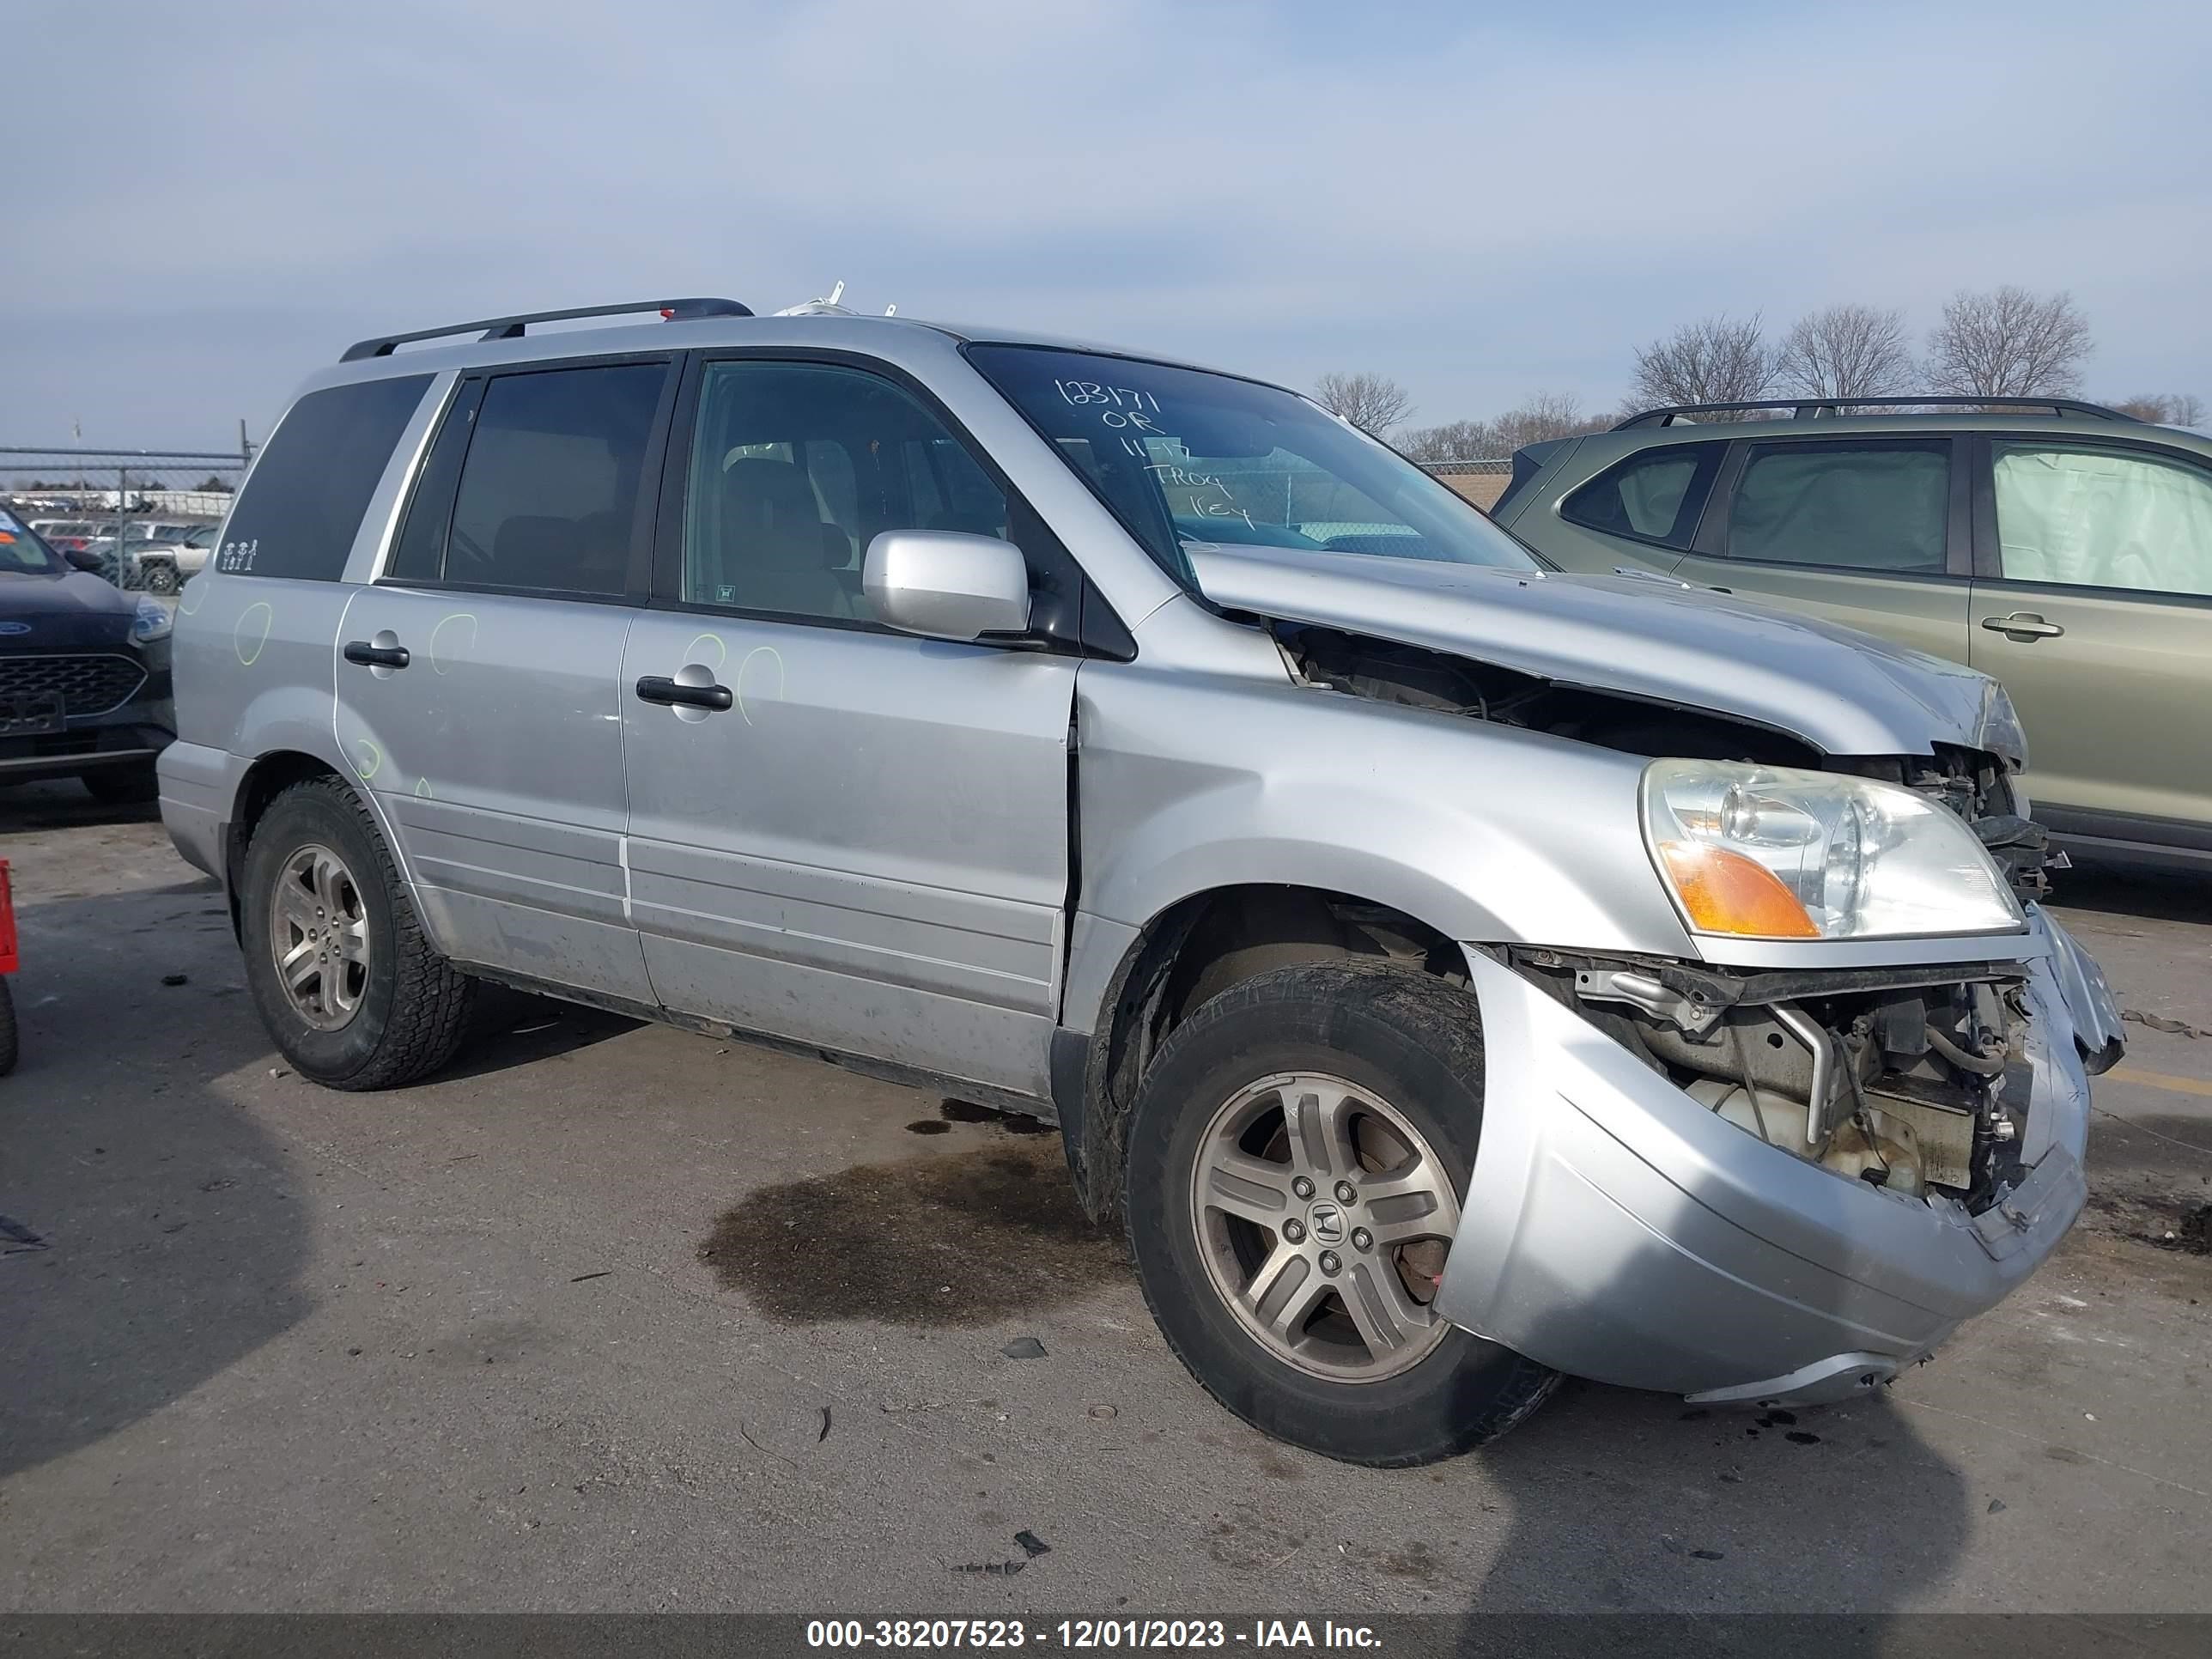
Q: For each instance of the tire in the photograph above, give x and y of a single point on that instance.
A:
(124, 786)
(8, 1038)
(160, 577)
(390, 1014)
(1408, 1047)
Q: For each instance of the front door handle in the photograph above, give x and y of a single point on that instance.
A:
(658, 688)
(376, 656)
(2023, 625)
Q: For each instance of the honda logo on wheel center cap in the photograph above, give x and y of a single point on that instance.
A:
(1328, 1222)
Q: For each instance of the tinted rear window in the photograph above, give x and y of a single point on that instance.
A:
(1874, 507)
(303, 500)
(1657, 495)
(550, 496)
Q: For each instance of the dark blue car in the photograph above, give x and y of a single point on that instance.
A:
(84, 673)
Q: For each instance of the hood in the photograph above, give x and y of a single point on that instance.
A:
(41, 612)
(1844, 692)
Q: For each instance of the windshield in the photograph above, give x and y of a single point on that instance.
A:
(21, 550)
(1186, 458)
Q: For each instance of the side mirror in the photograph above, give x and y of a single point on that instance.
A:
(946, 584)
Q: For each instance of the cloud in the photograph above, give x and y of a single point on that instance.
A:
(1476, 206)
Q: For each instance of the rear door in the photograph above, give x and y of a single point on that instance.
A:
(479, 677)
(1871, 532)
(2093, 606)
(839, 835)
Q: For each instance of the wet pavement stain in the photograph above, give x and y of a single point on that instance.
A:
(954, 1239)
(967, 1111)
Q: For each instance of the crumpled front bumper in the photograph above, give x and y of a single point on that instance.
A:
(1617, 1229)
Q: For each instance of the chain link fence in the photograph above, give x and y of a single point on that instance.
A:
(1481, 481)
(122, 512)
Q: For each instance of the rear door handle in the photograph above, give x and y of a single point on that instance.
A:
(376, 656)
(658, 688)
(2023, 625)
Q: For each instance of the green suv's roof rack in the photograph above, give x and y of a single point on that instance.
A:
(1814, 407)
(513, 328)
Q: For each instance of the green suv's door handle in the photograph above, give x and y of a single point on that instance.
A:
(2023, 625)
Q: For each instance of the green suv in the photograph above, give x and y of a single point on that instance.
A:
(2064, 548)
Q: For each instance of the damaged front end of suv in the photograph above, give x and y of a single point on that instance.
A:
(1784, 1159)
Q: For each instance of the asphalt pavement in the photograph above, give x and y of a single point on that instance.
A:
(614, 1317)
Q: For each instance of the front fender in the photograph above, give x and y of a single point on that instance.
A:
(1486, 832)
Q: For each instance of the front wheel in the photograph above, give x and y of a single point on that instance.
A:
(354, 994)
(1296, 1155)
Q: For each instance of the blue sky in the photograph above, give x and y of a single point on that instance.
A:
(1481, 201)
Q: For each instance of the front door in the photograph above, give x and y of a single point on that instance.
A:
(1867, 533)
(2095, 611)
(839, 834)
(480, 678)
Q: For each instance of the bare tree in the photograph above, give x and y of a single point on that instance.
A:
(1715, 360)
(1455, 441)
(1543, 415)
(2007, 342)
(2165, 408)
(1373, 403)
(1845, 351)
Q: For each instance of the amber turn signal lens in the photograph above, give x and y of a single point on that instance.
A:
(1725, 892)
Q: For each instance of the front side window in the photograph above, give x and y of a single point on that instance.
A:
(549, 495)
(1877, 506)
(797, 467)
(303, 501)
(2103, 518)
(1186, 458)
(1654, 496)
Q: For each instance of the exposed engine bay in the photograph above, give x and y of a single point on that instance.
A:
(1974, 785)
(1914, 1081)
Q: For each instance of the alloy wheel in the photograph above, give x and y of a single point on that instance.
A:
(1324, 1218)
(319, 938)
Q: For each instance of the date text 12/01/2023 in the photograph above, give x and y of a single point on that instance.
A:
(932, 1635)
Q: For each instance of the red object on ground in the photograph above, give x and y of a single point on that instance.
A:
(7, 924)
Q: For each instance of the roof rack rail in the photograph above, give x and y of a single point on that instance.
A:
(511, 328)
(1814, 408)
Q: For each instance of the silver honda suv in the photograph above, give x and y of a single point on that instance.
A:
(1450, 973)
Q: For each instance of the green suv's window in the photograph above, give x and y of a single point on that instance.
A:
(1870, 507)
(2103, 518)
(1654, 496)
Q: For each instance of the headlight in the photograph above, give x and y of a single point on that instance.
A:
(1765, 852)
(151, 621)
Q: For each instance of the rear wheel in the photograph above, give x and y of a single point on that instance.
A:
(160, 577)
(354, 994)
(1296, 1155)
